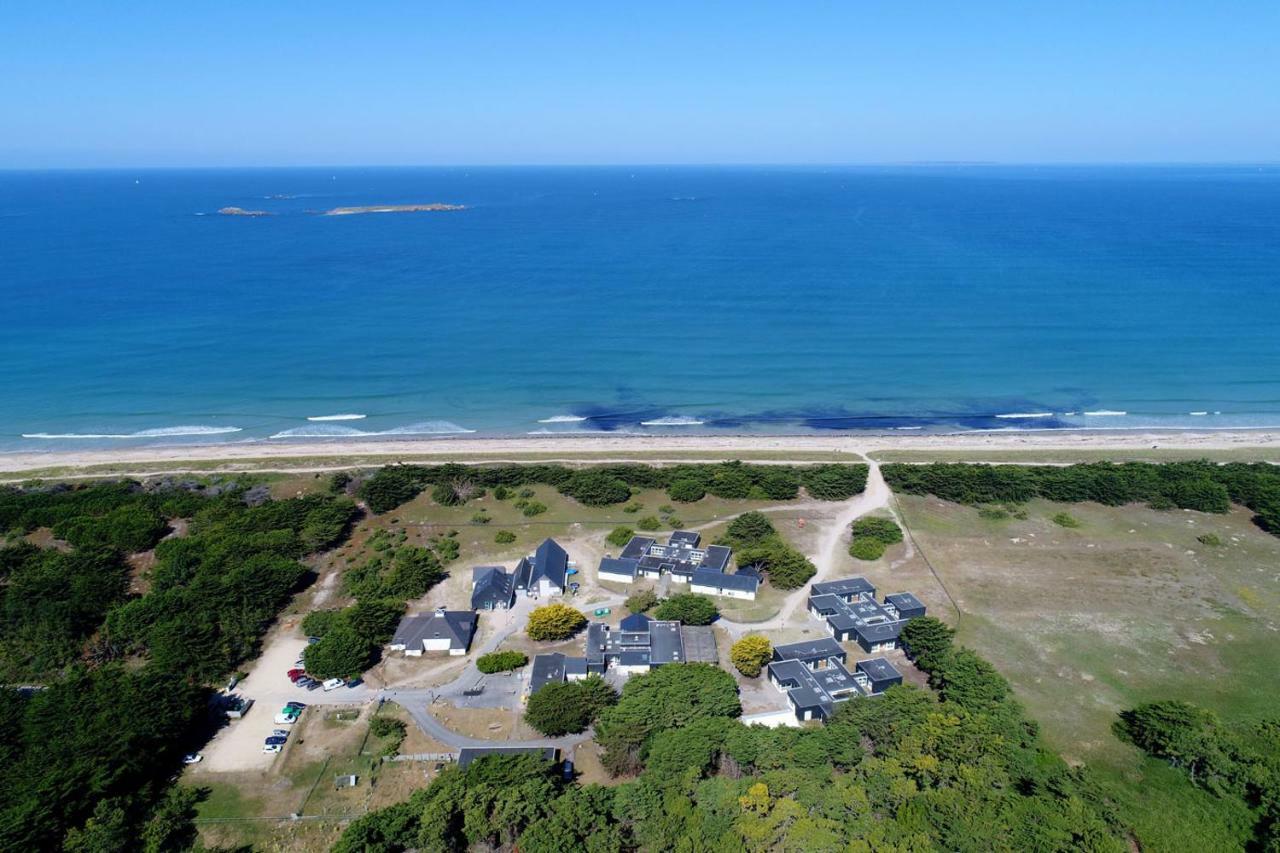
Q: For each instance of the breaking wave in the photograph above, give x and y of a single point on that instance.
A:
(160, 432)
(562, 419)
(420, 428)
(336, 418)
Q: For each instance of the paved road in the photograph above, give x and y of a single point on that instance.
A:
(416, 702)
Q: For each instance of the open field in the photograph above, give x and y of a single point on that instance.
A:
(1126, 608)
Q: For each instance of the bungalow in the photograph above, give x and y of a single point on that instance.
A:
(443, 630)
(851, 612)
(814, 654)
(814, 693)
(492, 588)
(555, 668)
(544, 571)
(686, 560)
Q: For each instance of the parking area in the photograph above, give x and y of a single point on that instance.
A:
(238, 746)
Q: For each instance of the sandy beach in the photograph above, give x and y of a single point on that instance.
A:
(295, 455)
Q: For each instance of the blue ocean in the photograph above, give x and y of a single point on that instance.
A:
(652, 300)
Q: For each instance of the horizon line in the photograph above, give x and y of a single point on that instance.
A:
(665, 165)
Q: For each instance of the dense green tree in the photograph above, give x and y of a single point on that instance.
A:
(750, 528)
(503, 661)
(620, 536)
(596, 488)
(341, 653)
(689, 608)
(687, 491)
(568, 707)
(750, 654)
(926, 639)
(834, 482)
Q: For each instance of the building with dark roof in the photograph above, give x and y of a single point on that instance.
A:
(443, 630)
(850, 609)
(492, 588)
(544, 571)
(685, 559)
(814, 654)
(468, 754)
(813, 692)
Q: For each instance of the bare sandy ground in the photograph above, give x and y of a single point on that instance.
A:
(620, 447)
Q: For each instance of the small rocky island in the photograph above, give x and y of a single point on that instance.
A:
(240, 211)
(392, 208)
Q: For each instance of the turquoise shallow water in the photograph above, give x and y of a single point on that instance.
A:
(651, 300)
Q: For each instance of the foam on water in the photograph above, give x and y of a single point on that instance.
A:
(336, 418)
(562, 419)
(1025, 415)
(330, 431)
(675, 421)
(159, 432)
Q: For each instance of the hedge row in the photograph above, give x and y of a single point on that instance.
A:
(603, 485)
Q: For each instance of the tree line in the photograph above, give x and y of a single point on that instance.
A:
(1197, 485)
(604, 485)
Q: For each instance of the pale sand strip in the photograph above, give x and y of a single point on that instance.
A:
(545, 447)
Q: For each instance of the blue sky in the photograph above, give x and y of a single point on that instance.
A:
(437, 82)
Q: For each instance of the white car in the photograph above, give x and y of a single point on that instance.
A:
(332, 684)
(285, 720)
(192, 758)
(271, 747)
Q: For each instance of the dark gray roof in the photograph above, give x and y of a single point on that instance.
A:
(665, 643)
(804, 692)
(879, 669)
(490, 584)
(904, 601)
(637, 547)
(810, 650)
(637, 622)
(717, 558)
(619, 566)
(685, 537)
(547, 669)
(575, 666)
(638, 657)
(469, 754)
(720, 580)
(597, 637)
(457, 625)
(844, 587)
(550, 561)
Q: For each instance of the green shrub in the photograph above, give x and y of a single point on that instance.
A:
(1210, 539)
(1063, 519)
(595, 487)
(749, 528)
(633, 508)
(867, 549)
(501, 493)
(882, 529)
(568, 707)
(641, 601)
(481, 517)
(649, 522)
(834, 482)
(620, 536)
(686, 491)
(504, 537)
(317, 623)
(504, 661)
(533, 508)
(525, 493)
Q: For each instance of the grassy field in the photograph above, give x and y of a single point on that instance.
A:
(1127, 607)
(257, 809)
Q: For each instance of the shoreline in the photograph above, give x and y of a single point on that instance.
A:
(543, 447)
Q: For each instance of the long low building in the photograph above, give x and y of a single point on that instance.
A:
(686, 560)
(850, 609)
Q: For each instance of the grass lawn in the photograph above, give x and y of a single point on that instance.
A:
(1128, 607)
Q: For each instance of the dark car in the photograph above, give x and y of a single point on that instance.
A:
(314, 685)
(355, 682)
(273, 740)
(298, 705)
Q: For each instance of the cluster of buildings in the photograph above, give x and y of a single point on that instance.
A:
(814, 675)
(686, 560)
(544, 572)
(639, 644)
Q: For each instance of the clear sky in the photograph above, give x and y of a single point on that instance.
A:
(287, 82)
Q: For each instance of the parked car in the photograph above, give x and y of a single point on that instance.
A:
(332, 684)
(295, 704)
(312, 685)
(271, 747)
(603, 611)
(355, 682)
(295, 674)
(304, 681)
(284, 719)
(275, 740)
(280, 732)
(192, 758)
